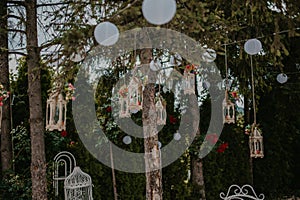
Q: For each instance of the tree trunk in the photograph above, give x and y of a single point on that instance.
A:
(6, 140)
(152, 151)
(198, 178)
(38, 160)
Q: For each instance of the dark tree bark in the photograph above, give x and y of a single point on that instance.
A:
(6, 141)
(38, 160)
(152, 155)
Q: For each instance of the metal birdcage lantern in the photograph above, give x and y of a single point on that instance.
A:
(56, 112)
(161, 112)
(256, 143)
(228, 110)
(78, 186)
(64, 163)
(124, 102)
(135, 95)
(188, 82)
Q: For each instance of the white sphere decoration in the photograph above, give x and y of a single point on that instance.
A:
(155, 65)
(177, 136)
(159, 12)
(127, 139)
(106, 33)
(209, 56)
(282, 78)
(253, 46)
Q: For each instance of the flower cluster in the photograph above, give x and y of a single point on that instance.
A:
(3, 94)
(123, 92)
(222, 147)
(70, 90)
(190, 68)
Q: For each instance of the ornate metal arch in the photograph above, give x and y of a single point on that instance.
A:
(241, 193)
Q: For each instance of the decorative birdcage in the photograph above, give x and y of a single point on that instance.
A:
(161, 112)
(228, 110)
(64, 163)
(188, 82)
(0, 117)
(135, 95)
(56, 112)
(244, 192)
(256, 142)
(124, 102)
(78, 186)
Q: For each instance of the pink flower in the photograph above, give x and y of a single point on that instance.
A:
(1, 103)
(71, 86)
(73, 98)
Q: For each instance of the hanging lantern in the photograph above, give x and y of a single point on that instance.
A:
(161, 112)
(189, 80)
(124, 102)
(256, 143)
(228, 110)
(135, 95)
(56, 112)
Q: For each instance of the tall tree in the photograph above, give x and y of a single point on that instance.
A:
(38, 160)
(6, 142)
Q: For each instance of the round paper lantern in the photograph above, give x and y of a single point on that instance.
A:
(282, 78)
(253, 46)
(127, 140)
(177, 136)
(106, 33)
(159, 12)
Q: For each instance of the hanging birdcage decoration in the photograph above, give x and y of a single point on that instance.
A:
(228, 110)
(256, 142)
(78, 185)
(189, 80)
(56, 112)
(161, 112)
(0, 117)
(124, 102)
(135, 95)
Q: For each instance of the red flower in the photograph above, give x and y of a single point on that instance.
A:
(72, 143)
(234, 94)
(222, 147)
(64, 133)
(212, 138)
(1, 98)
(108, 109)
(172, 119)
(1, 103)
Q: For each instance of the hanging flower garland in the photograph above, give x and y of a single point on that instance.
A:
(70, 91)
(3, 94)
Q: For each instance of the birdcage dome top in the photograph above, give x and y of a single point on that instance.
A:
(77, 179)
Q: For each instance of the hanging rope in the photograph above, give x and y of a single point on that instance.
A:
(253, 90)
(226, 75)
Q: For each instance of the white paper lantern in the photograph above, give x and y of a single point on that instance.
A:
(253, 46)
(106, 33)
(127, 140)
(159, 12)
(282, 78)
(177, 136)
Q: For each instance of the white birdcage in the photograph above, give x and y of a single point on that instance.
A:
(78, 186)
(56, 112)
(135, 95)
(0, 117)
(188, 82)
(228, 110)
(161, 112)
(64, 163)
(256, 143)
(124, 102)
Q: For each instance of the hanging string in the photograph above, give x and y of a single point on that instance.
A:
(253, 90)
(226, 74)
(275, 33)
